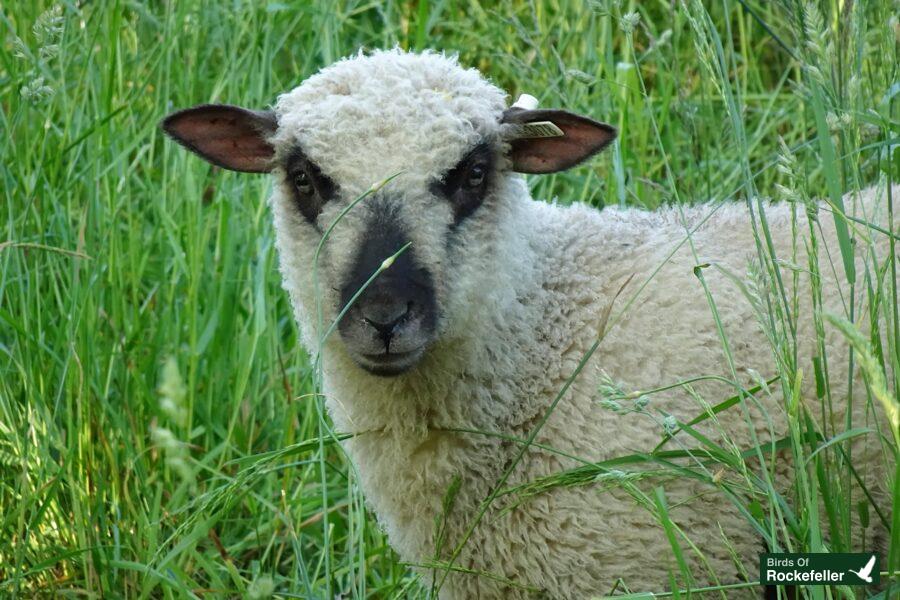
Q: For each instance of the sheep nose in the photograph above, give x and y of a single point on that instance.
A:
(386, 317)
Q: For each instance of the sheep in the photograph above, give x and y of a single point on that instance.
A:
(483, 307)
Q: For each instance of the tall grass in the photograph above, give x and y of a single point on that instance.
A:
(161, 434)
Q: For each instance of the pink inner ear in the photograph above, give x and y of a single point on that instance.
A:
(227, 136)
(583, 138)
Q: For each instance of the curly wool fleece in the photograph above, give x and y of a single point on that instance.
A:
(524, 287)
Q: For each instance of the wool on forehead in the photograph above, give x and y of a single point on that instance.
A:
(370, 116)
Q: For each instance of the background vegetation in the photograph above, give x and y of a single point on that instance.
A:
(160, 434)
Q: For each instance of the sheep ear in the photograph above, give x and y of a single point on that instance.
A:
(227, 136)
(550, 140)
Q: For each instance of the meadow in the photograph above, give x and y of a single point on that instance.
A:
(161, 434)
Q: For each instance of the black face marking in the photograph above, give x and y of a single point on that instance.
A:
(466, 184)
(310, 188)
(395, 317)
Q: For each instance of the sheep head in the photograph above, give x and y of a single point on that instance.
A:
(449, 146)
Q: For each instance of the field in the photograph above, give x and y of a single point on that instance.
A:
(161, 434)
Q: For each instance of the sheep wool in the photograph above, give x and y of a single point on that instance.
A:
(524, 289)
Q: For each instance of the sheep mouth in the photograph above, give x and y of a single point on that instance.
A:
(387, 348)
(390, 364)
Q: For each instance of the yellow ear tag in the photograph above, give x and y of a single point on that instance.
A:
(538, 129)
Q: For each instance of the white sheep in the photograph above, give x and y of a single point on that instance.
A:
(489, 308)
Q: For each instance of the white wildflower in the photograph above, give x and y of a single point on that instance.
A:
(814, 27)
(49, 51)
(786, 154)
(598, 6)
(869, 131)
(19, 49)
(629, 21)
(837, 122)
(164, 438)
(610, 389)
(670, 424)
(35, 91)
(784, 192)
(262, 587)
(616, 474)
(579, 76)
(814, 73)
(172, 392)
(609, 404)
(661, 41)
(784, 169)
(180, 466)
(174, 450)
(48, 27)
(854, 89)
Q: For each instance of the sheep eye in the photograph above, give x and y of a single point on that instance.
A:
(476, 176)
(303, 183)
(465, 185)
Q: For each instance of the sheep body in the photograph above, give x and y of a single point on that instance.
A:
(522, 291)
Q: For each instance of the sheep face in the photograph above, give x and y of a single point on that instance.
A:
(438, 147)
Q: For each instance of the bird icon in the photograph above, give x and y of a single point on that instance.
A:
(865, 572)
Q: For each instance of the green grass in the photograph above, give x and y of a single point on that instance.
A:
(160, 431)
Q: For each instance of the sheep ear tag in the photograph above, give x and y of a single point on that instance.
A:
(231, 137)
(551, 140)
(538, 129)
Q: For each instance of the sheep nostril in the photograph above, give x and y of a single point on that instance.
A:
(383, 328)
(385, 319)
